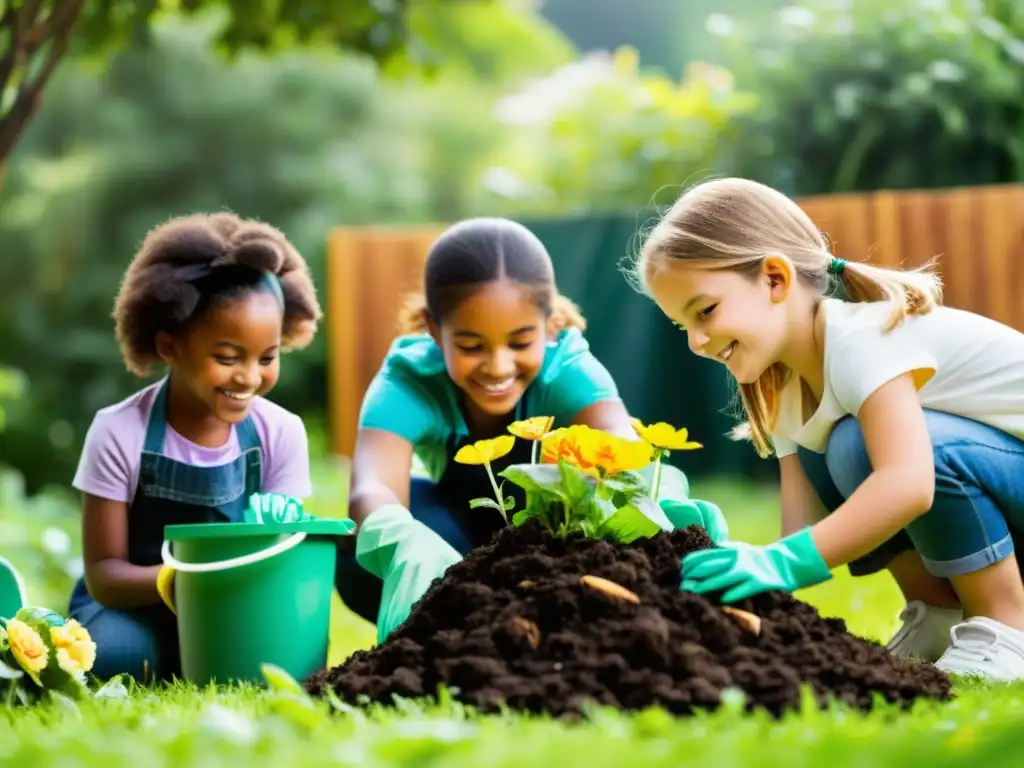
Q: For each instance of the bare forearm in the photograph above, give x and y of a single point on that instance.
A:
(116, 583)
(365, 500)
(882, 506)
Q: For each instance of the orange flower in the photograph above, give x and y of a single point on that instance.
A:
(533, 428)
(565, 444)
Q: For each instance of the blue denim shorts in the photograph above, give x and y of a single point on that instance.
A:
(979, 494)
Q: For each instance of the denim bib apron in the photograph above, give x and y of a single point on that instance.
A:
(143, 642)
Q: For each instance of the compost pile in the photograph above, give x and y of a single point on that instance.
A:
(522, 623)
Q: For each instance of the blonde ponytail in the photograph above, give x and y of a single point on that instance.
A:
(565, 314)
(906, 291)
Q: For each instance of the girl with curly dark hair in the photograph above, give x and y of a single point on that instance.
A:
(214, 300)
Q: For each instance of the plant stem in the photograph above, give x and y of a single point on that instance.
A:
(533, 452)
(497, 493)
(656, 481)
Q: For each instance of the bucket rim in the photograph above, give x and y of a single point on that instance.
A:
(200, 531)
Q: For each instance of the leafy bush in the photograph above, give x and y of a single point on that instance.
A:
(882, 94)
(600, 134)
(306, 141)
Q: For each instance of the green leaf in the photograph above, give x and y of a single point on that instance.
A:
(65, 703)
(112, 689)
(545, 479)
(484, 502)
(39, 618)
(629, 524)
(627, 483)
(279, 680)
(579, 487)
(509, 503)
(8, 672)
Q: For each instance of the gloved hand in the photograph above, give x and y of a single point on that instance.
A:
(696, 512)
(406, 555)
(744, 570)
(275, 508)
(165, 586)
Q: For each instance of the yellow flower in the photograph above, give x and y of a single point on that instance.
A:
(614, 454)
(662, 435)
(75, 647)
(28, 648)
(485, 451)
(533, 428)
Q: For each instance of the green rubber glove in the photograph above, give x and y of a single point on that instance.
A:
(696, 512)
(406, 555)
(275, 508)
(744, 570)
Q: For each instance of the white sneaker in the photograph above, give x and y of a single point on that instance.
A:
(925, 632)
(983, 647)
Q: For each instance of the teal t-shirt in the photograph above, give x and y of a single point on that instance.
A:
(413, 397)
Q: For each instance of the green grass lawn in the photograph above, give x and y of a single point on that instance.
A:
(190, 727)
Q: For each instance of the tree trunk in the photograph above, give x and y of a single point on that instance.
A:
(21, 69)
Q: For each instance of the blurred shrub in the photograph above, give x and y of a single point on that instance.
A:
(41, 537)
(600, 134)
(882, 94)
(305, 140)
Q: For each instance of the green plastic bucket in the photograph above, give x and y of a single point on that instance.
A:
(253, 593)
(12, 590)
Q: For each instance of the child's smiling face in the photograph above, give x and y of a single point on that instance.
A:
(494, 343)
(735, 318)
(230, 355)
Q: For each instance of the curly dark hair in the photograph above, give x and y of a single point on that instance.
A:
(187, 264)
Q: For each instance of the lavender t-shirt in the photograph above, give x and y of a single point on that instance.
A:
(109, 465)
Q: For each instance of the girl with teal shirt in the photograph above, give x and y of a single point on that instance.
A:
(490, 341)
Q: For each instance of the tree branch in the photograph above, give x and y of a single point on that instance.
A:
(59, 25)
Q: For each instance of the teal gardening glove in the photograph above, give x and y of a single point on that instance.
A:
(406, 555)
(744, 570)
(275, 508)
(696, 512)
(682, 511)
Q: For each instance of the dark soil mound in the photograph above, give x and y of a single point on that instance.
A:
(513, 625)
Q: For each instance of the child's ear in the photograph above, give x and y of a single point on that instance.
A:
(779, 274)
(166, 347)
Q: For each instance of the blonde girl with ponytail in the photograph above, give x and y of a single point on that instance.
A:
(898, 423)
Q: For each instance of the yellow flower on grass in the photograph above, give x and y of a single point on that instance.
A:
(533, 428)
(76, 651)
(28, 648)
(485, 451)
(665, 436)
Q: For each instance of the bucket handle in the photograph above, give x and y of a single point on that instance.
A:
(235, 562)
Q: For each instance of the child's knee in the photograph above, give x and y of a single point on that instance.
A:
(129, 643)
(846, 456)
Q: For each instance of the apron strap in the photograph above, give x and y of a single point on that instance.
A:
(248, 438)
(156, 429)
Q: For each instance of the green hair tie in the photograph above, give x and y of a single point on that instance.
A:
(836, 266)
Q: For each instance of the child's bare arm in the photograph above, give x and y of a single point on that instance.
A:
(109, 577)
(801, 506)
(381, 469)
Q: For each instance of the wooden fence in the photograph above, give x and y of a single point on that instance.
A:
(977, 232)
